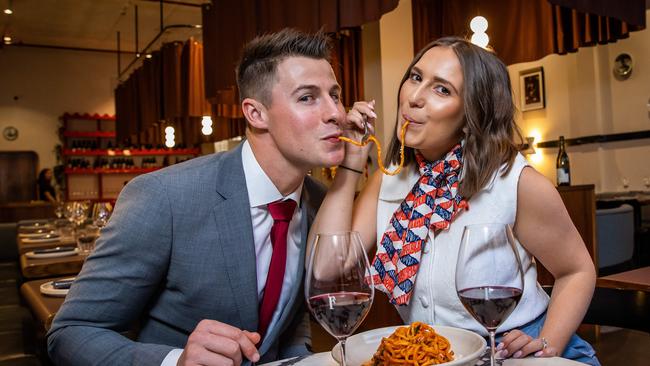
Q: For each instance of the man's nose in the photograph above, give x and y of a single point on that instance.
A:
(334, 112)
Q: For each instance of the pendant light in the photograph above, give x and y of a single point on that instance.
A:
(479, 25)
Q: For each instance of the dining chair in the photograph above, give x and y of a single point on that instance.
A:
(615, 235)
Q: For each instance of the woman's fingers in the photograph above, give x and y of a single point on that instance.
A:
(512, 343)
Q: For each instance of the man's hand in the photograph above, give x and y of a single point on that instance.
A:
(214, 343)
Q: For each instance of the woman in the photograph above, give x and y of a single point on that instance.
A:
(458, 100)
(46, 191)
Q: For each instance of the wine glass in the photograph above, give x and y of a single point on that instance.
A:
(80, 212)
(68, 211)
(338, 287)
(59, 209)
(101, 213)
(489, 279)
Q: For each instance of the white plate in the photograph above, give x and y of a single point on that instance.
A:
(467, 346)
(38, 234)
(66, 253)
(48, 289)
(43, 239)
(35, 226)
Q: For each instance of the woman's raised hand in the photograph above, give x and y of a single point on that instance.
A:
(359, 124)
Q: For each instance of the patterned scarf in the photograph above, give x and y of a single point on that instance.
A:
(433, 202)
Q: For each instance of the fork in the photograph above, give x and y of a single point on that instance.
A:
(366, 130)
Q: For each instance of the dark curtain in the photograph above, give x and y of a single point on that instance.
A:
(147, 78)
(127, 112)
(229, 24)
(172, 75)
(522, 31)
(169, 84)
(346, 62)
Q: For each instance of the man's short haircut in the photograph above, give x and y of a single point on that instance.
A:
(261, 56)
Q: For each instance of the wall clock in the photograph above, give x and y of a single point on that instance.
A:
(10, 133)
(623, 66)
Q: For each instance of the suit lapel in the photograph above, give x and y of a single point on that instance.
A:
(235, 237)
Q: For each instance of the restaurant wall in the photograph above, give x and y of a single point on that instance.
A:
(584, 98)
(396, 47)
(39, 85)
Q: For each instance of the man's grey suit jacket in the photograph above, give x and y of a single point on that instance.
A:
(178, 249)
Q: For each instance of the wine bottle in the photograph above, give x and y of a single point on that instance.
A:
(562, 166)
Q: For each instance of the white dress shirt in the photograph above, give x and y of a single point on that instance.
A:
(261, 192)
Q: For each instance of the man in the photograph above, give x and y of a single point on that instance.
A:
(190, 251)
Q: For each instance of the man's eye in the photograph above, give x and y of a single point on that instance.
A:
(306, 98)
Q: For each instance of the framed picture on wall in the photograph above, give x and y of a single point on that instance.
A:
(531, 89)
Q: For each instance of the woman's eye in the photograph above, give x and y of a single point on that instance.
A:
(442, 90)
(415, 77)
(336, 97)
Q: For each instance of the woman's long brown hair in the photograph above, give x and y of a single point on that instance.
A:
(489, 110)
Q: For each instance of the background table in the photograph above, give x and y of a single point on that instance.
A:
(51, 267)
(24, 247)
(636, 279)
(43, 307)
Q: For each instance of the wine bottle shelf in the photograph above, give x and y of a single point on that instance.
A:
(104, 134)
(129, 152)
(109, 170)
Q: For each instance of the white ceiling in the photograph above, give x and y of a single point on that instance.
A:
(94, 23)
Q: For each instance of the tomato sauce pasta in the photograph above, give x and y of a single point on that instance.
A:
(415, 345)
(374, 139)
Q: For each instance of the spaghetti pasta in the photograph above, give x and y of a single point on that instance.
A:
(374, 139)
(415, 345)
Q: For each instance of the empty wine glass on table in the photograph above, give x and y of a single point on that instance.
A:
(489, 279)
(68, 211)
(80, 212)
(101, 213)
(59, 209)
(338, 289)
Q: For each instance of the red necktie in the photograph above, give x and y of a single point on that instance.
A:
(281, 211)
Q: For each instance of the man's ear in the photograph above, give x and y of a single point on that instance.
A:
(255, 113)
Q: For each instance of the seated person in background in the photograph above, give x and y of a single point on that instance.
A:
(458, 100)
(46, 191)
(190, 250)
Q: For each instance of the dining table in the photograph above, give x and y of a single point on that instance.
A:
(33, 268)
(25, 246)
(637, 279)
(44, 307)
(326, 359)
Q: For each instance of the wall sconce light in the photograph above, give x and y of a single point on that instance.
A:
(528, 147)
(6, 39)
(9, 9)
(206, 122)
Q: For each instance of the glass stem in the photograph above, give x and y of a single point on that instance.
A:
(342, 343)
(493, 361)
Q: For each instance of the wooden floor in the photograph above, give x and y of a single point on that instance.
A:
(623, 347)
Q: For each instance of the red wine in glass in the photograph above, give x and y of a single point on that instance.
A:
(490, 305)
(489, 279)
(336, 289)
(340, 312)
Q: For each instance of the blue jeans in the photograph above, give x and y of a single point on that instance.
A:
(577, 349)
